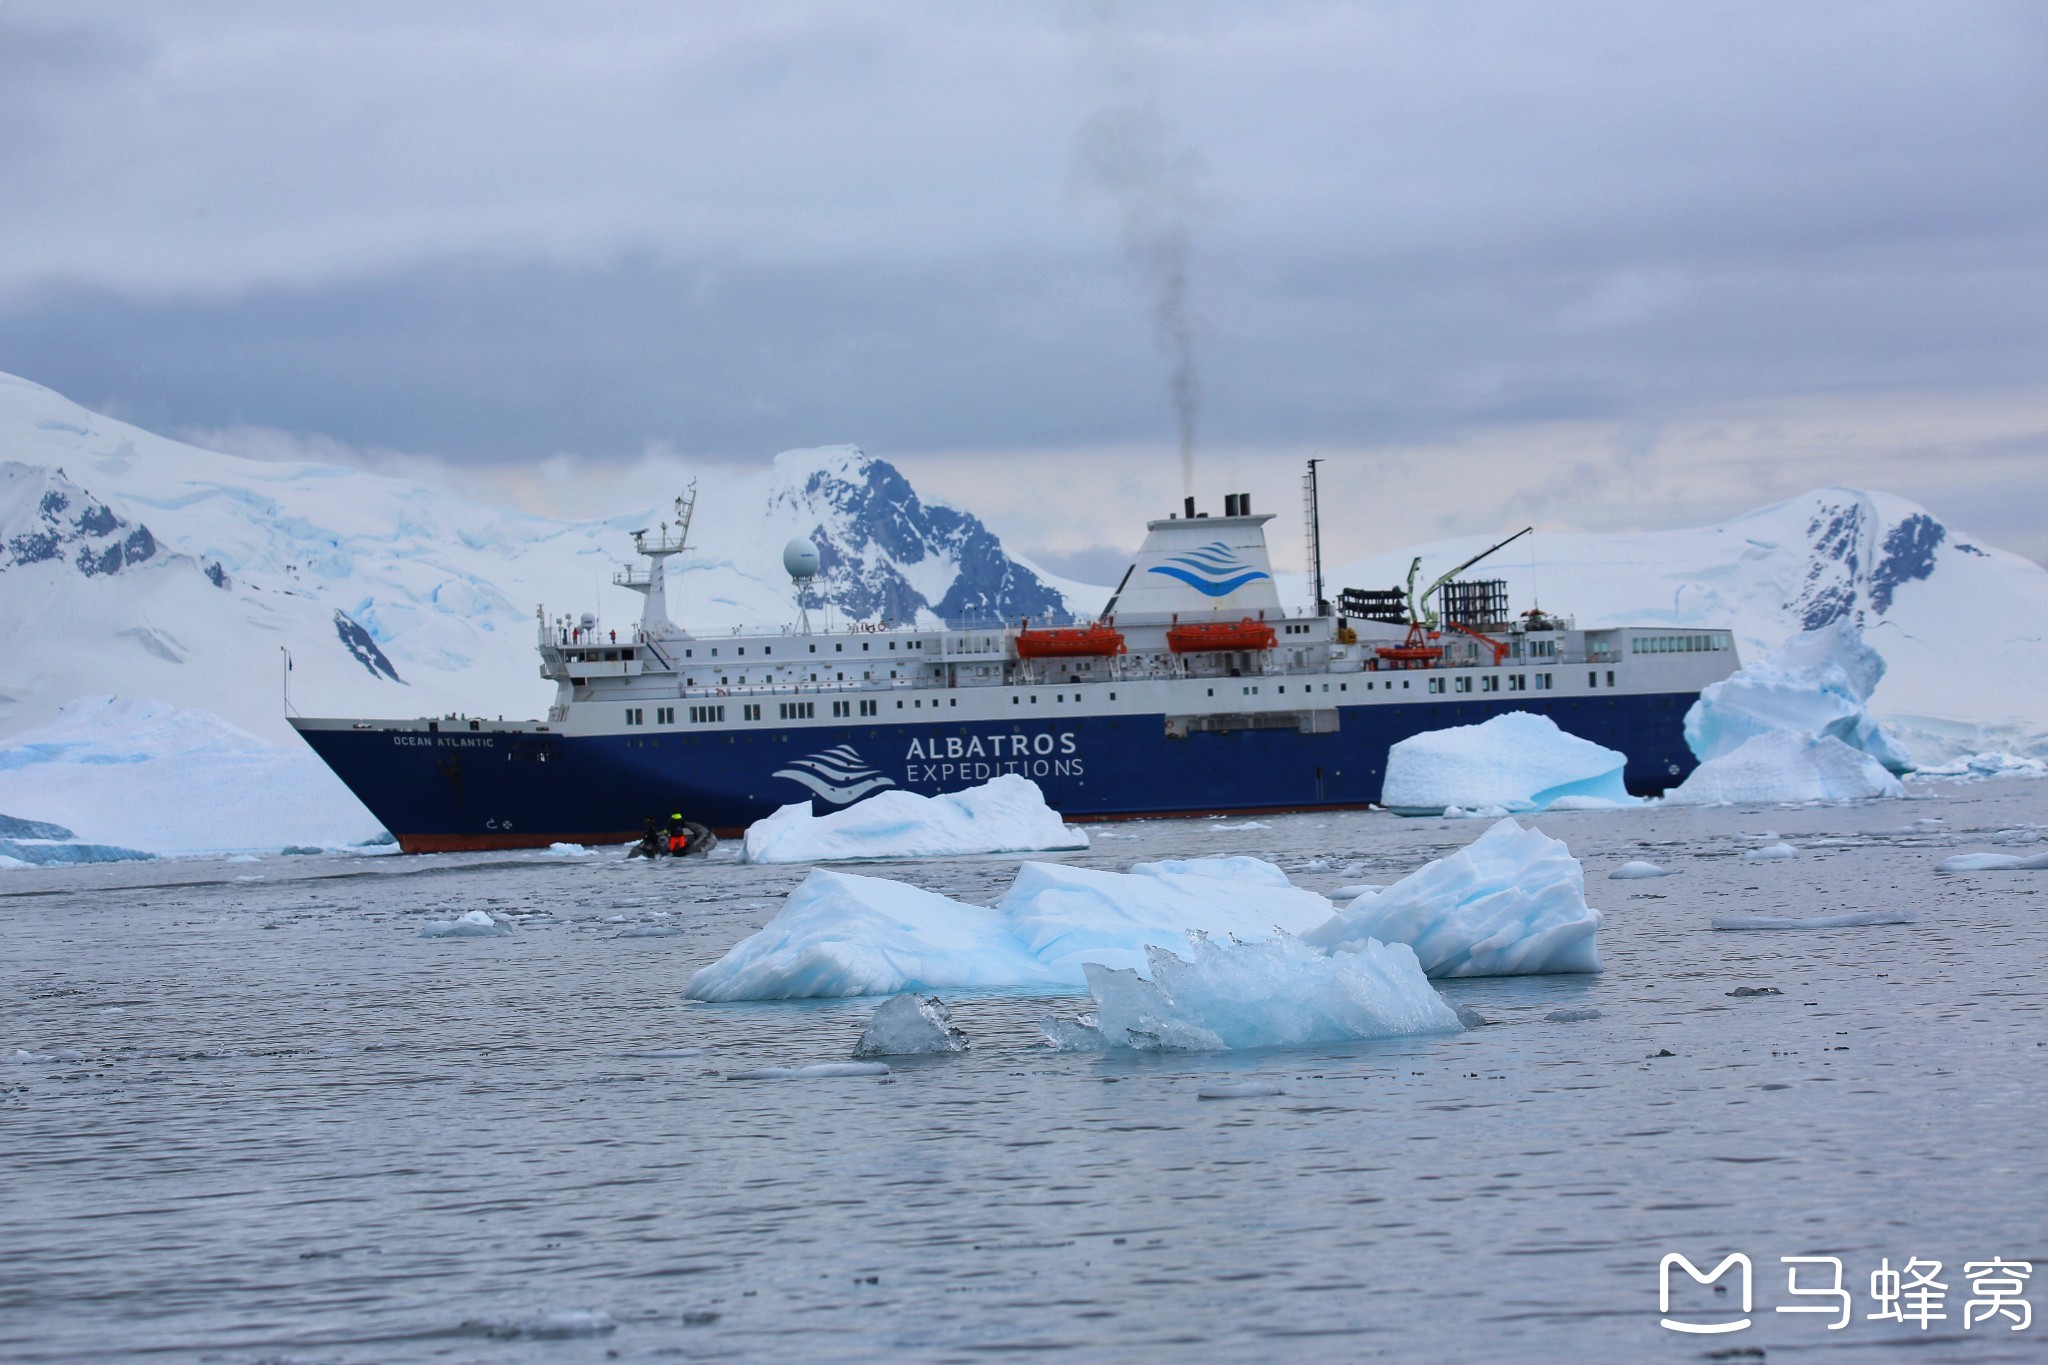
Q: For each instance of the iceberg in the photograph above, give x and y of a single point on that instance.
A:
(1510, 903)
(1281, 993)
(1006, 814)
(841, 934)
(1781, 767)
(1515, 762)
(1816, 684)
(41, 853)
(908, 1026)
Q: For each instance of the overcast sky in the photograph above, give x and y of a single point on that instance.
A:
(1598, 266)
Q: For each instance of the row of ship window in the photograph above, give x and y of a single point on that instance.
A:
(838, 647)
(808, 710)
(1678, 644)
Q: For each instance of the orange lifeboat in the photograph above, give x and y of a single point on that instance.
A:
(1099, 641)
(1413, 652)
(1213, 636)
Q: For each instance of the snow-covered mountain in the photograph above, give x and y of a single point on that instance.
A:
(1962, 626)
(135, 564)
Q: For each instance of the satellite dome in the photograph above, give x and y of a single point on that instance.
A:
(800, 557)
(588, 620)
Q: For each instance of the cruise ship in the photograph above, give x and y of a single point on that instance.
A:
(1195, 691)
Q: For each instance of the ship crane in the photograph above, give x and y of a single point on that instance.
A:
(1416, 650)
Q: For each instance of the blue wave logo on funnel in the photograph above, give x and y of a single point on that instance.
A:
(1214, 570)
(838, 775)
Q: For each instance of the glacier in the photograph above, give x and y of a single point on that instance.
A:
(143, 775)
(1511, 763)
(1510, 903)
(841, 934)
(1007, 814)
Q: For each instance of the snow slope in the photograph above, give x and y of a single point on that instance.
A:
(136, 564)
(1963, 627)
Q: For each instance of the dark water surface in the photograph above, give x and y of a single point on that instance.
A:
(267, 1121)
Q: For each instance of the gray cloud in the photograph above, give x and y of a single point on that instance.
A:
(495, 233)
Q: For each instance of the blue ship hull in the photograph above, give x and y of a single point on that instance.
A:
(516, 786)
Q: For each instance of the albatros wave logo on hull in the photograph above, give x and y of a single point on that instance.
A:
(838, 775)
(1214, 570)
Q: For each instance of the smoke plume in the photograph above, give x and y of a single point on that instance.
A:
(1126, 151)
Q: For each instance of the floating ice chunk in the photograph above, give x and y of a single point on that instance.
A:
(1511, 902)
(1513, 762)
(1004, 815)
(1978, 767)
(1637, 869)
(1243, 1090)
(1785, 767)
(1073, 1035)
(1281, 993)
(23, 1057)
(475, 924)
(1993, 862)
(570, 851)
(556, 1324)
(1352, 893)
(815, 1071)
(840, 934)
(1470, 1017)
(1815, 685)
(1246, 824)
(908, 1026)
(1776, 853)
(1472, 812)
(1572, 1016)
(1850, 921)
(1065, 916)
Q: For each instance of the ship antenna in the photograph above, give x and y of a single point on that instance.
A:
(1312, 508)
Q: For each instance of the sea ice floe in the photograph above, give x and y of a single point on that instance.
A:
(908, 1026)
(1636, 869)
(1993, 862)
(815, 1071)
(1280, 993)
(1978, 767)
(1850, 921)
(1007, 814)
(1511, 902)
(1783, 767)
(1511, 763)
(1774, 853)
(1242, 1090)
(556, 1324)
(475, 924)
(842, 934)
(1816, 684)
